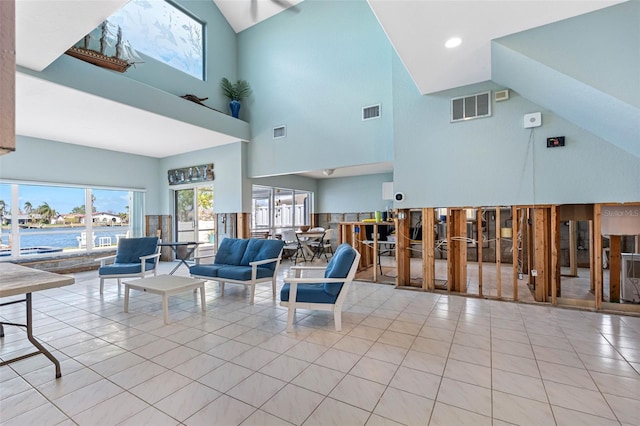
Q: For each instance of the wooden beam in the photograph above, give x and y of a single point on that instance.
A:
(451, 278)
(7, 76)
(573, 248)
(244, 225)
(539, 254)
(555, 249)
(597, 253)
(514, 249)
(615, 259)
(403, 255)
(462, 250)
(480, 236)
(498, 254)
(428, 250)
(592, 272)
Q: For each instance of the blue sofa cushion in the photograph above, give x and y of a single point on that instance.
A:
(124, 268)
(243, 273)
(339, 267)
(206, 270)
(130, 249)
(231, 251)
(308, 293)
(261, 249)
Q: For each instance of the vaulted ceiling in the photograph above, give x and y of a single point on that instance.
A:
(417, 29)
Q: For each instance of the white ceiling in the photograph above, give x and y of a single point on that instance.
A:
(45, 29)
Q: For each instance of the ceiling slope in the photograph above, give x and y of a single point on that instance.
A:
(598, 112)
(418, 30)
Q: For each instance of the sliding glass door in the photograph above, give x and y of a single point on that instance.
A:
(275, 209)
(194, 213)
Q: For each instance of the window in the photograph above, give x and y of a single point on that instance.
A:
(275, 209)
(164, 32)
(47, 219)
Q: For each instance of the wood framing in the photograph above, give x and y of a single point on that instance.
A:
(244, 225)
(480, 238)
(514, 249)
(573, 249)
(457, 250)
(597, 253)
(555, 250)
(498, 254)
(7, 76)
(403, 253)
(428, 250)
(615, 259)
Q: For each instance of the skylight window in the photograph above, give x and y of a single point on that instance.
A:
(163, 31)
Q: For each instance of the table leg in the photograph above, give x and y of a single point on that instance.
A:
(126, 297)
(165, 307)
(203, 301)
(37, 344)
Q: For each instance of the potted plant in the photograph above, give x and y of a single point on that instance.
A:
(236, 92)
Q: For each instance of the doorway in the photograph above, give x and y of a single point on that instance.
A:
(194, 215)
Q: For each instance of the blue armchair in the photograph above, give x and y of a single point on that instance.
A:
(134, 257)
(326, 293)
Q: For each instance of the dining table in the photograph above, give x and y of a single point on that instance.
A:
(181, 255)
(16, 280)
(308, 237)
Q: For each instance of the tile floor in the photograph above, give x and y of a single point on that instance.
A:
(403, 357)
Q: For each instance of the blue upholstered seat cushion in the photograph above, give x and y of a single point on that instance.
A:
(243, 273)
(339, 267)
(130, 249)
(261, 249)
(206, 270)
(124, 268)
(308, 293)
(231, 251)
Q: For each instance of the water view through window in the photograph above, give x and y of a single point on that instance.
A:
(43, 219)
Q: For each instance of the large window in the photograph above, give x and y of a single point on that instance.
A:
(275, 209)
(46, 219)
(164, 32)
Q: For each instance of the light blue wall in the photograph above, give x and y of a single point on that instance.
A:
(352, 194)
(488, 161)
(229, 183)
(313, 71)
(44, 161)
(601, 49)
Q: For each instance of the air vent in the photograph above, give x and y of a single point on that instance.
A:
(501, 95)
(371, 112)
(468, 107)
(280, 132)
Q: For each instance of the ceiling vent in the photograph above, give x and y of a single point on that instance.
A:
(280, 132)
(501, 95)
(371, 112)
(468, 107)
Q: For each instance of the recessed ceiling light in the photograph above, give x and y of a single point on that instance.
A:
(453, 42)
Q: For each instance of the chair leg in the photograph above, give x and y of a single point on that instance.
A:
(221, 288)
(118, 285)
(337, 318)
(253, 293)
(101, 286)
(291, 314)
(273, 287)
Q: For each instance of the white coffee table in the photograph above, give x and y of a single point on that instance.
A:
(164, 285)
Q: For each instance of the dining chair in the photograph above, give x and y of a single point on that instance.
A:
(322, 246)
(292, 245)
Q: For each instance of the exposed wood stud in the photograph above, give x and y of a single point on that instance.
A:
(498, 254)
(614, 268)
(479, 217)
(514, 249)
(597, 253)
(428, 250)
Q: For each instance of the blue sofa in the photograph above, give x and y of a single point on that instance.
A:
(243, 261)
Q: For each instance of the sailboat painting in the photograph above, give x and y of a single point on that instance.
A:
(105, 48)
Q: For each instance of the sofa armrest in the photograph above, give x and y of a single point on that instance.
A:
(262, 262)
(206, 256)
(103, 260)
(293, 285)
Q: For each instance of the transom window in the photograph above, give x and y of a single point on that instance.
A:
(164, 32)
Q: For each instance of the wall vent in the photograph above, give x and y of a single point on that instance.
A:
(371, 112)
(501, 95)
(280, 132)
(468, 107)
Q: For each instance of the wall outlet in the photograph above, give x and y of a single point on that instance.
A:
(520, 276)
(534, 273)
